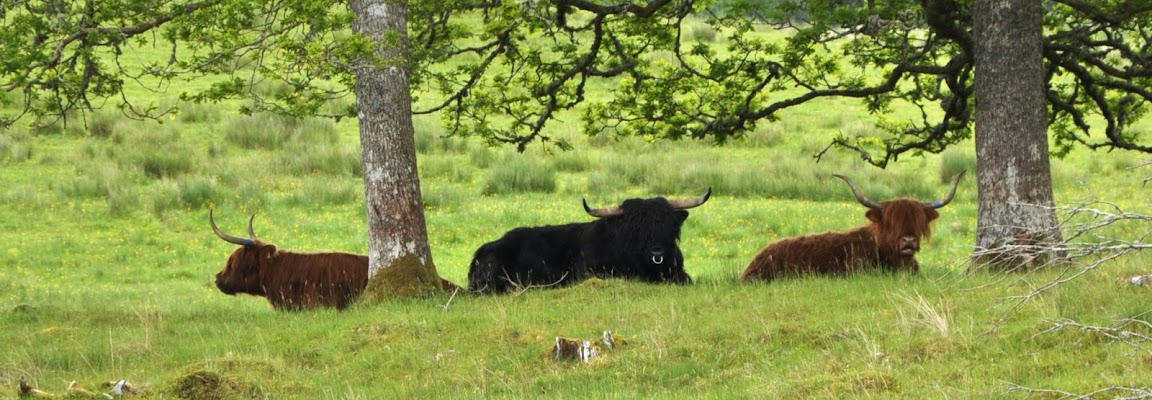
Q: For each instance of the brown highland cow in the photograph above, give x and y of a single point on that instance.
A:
(889, 242)
(294, 281)
(290, 281)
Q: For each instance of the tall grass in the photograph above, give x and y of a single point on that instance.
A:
(430, 139)
(271, 131)
(453, 169)
(322, 191)
(108, 267)
(955, 160)
(303, 158)
(96, 180)
(102, 124)
(192, 113)
(517, 174)
(158, 153)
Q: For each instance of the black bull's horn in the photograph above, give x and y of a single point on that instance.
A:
(677, 204)
(872, 204)
(252, 240)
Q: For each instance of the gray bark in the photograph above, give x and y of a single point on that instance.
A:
(1015, 182)
(395, 210)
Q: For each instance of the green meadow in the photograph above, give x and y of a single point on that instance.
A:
(107, 264)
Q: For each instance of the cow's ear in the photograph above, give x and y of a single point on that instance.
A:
(932, 214)
(874, 215)
(267, 251)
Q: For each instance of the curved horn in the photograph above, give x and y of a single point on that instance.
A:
(251, 233)
(859, 196)
(602, 212)
(227, 238)
(951, 193)
(683, 204)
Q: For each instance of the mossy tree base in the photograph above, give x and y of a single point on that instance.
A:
(404, 278)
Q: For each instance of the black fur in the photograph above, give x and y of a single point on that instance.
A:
(624, 246)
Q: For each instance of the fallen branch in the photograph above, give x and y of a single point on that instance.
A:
(1084, 248)
(1116, 392)
(1119, 333)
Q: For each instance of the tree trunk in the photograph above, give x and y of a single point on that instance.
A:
(400, 259)
(1017, 219)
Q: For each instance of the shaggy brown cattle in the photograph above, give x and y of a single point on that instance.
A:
(294, 281)
(290, 281)
(890, 242)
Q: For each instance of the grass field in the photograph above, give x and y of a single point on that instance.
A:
(107, 260)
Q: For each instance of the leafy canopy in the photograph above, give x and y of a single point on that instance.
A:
(503, 70)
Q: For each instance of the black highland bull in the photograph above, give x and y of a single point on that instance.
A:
(635, 240)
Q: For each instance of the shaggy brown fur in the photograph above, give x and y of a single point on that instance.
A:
(890, 242)
(294, 281)
(299, 281)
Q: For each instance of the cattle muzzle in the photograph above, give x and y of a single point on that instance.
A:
(657, 256)
(909, 245)
(223, 288)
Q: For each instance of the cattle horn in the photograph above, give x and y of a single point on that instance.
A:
(602, 212)
(856, 191)
(951, 193)
(251, 232)
(229, 238)
(683, 204)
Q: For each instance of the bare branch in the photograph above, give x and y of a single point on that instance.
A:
(1086, 247)
(1139, 341)
(1116, 392)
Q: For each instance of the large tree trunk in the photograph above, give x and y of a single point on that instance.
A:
(400, 259)
(1017, 218)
